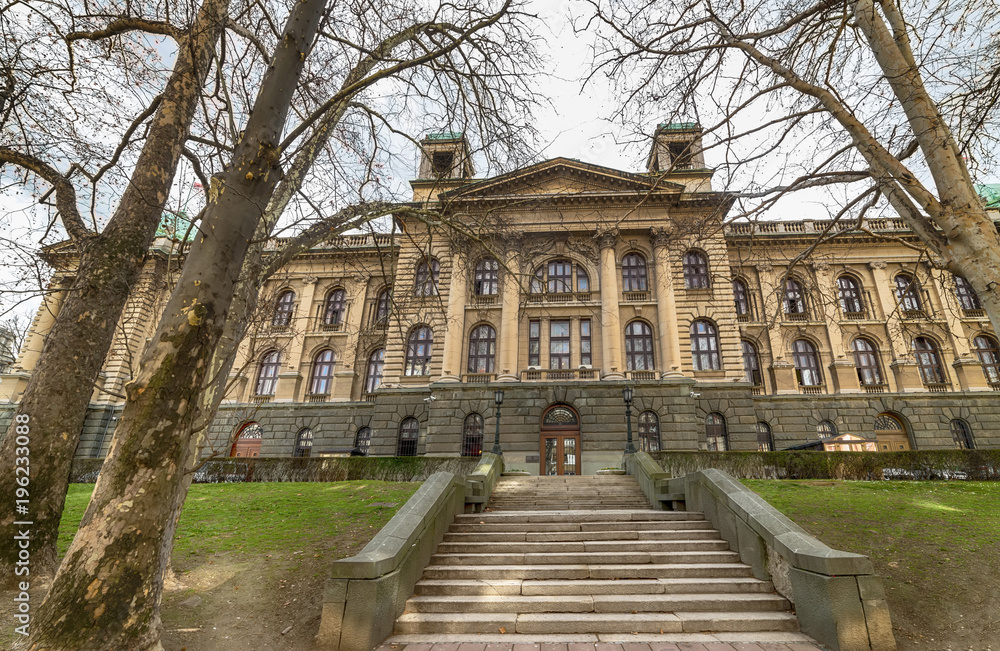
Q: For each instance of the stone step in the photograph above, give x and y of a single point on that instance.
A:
(591, 586)
(590, 558)
(550, 623)
(583, 571)
(574, 536)
(608, 603)
(578, 547)
(596, 516)
(545, 527)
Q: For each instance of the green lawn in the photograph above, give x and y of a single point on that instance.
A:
(263, 517)
(936, 543)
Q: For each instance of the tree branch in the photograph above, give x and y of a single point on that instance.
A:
(124, 25)
(65, 192)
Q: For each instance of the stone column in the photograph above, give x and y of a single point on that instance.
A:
(611, 336)
(666, 307)
(451, 367)
(510, 294)
(44, 320)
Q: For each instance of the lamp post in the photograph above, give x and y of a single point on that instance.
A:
(627, 393)
(498, 399)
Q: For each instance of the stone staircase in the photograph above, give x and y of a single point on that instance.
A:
(577, 556)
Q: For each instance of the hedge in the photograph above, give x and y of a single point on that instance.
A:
(801, 464)
(258, 469)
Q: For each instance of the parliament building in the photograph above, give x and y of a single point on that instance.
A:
(553, 288)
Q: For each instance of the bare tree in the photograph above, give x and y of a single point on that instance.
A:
(882, 102)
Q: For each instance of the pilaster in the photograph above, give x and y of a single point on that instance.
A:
(507, 370)
(451, 368)
(666, 306)
(611, 335)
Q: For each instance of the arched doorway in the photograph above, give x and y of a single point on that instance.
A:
(248, 442)
(890, 433)
(560, 444)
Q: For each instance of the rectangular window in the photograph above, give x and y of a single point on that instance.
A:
(585, 357)
(534, 343)
(559, 344)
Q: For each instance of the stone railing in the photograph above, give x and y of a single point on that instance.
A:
(560, 375)
(838, 598)
(366, 593)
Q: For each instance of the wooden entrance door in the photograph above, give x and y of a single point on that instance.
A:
(248, 442)
(890, 434)
(560, 441)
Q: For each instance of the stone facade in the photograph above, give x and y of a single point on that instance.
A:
(573, 280)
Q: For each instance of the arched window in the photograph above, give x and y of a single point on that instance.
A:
(649, 431)
(380, 316)
(303, 443)
(851, 301)
(482, 349)
(333, 315)
(363, 440)
(248, 441)
(716, 433)
(826, 430)
(634, 273)
(487, 279)
(322, 373)
(765, 441)
(742, 298)
(795, 298)
(472, 436)
(409, 431)
(867, 363)
(751, 364)
(560, 277)
(967, 297)
(695, 270)
(806, 362)
(639, 347)
(705, 347)
(373, 374)
(267, 375)
(989, 356)
(284, 307)
(582, 280)
(961, 433)
(928, 361)
(427, 275)
(908, 293)
(418, 351)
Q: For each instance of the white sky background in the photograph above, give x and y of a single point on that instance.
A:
(575, 124)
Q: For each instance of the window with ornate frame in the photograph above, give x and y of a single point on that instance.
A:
(705, 346)
(336, 301)
(795, 298)
(487, 277)
(409, 432)
(321, 379)
(559, 344)
(649, 431)
(968, 299)
(851, 300)
(472, 436)
(751, 364)
(482, 349)
(284, 308)
(373, 371)
(866, 361)
(765, 439)
(634, 273)
(741, 296)
(419, 347)
(806, 362)
(586, 353)
(716, 433)
(639, 355)
(303, 443)
(267, 374)
(380, 316)
(560, 277)
(929, 361)
(534, 342)
(696, 270)
(427, 275)
(988, 353)
(908, 293)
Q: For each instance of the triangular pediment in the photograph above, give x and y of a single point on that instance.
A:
(563, 177)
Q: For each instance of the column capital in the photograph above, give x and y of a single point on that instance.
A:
(660, 236)
(876, 264)
(765, 267)
(607, 238)
(822, 267)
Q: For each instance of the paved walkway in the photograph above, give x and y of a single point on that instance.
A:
(603, 646)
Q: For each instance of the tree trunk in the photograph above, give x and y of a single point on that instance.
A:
(106, 595)
(61, 384)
